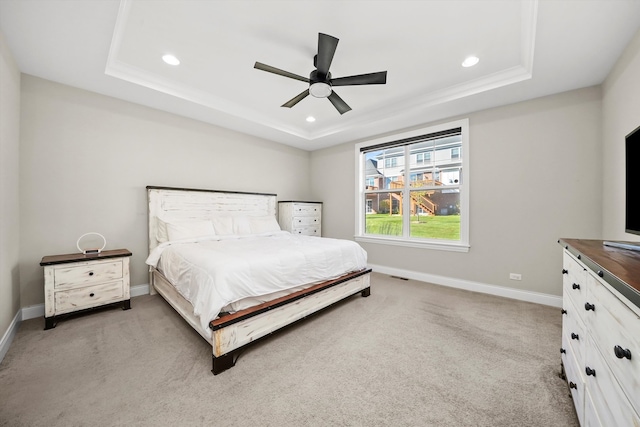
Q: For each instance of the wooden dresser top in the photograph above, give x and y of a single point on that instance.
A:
(618, 267)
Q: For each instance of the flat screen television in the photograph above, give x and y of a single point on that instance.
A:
(632, 182)
(631, 189)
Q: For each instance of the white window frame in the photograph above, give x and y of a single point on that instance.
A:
(461, 245)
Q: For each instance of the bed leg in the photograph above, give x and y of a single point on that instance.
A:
(366, 291)
(222, 363)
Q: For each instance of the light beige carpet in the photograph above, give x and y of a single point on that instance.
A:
(411, 354)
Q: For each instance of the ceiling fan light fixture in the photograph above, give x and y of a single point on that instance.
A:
(320, 90)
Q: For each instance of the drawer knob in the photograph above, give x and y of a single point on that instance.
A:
(564, 311)
(573, 385)
(575, 286)
(590, 371)
(588, 306)
(622, 353)
(91, 273)
(563, 351)
(91, 294)
(574, 336)
(565, 271)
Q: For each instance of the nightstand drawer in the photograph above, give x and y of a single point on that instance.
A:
(78, 275)
(88, 297)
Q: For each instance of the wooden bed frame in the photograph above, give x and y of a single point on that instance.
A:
(229, 334)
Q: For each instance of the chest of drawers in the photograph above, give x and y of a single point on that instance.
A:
(301, 217)
(75, 282)
(601, 332)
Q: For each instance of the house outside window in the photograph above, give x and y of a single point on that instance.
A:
(422, 201)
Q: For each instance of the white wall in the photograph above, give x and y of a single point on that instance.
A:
(86, 159)
(621, 115)
(9, 201)
(535, 176)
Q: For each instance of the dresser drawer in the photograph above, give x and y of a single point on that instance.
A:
(616, 331)
(307, 231)
(573, 331)
(305, 220)
(82, 274)
(306, 209)
(90, 296)
(574, 281)
(591, 418)
(574, 378)
(612, 406)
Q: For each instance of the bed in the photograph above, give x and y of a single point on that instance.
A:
(221, 261)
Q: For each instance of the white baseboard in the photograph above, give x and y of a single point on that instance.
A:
(529, 296)
(7, 338)
(37, 310)
(139, 290)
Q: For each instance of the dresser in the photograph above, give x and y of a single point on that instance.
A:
(300, 217)
(75, 282)
(600, 348)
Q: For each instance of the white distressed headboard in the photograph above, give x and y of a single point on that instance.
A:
(169, 203)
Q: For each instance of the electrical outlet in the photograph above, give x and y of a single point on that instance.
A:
(515, 276)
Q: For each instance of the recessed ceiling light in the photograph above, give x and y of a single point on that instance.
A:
(311, 119)
(470, 61)
(170, 59)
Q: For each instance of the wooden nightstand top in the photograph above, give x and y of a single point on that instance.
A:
(77, 257)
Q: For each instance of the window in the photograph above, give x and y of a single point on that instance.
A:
(391, 162)
(422, 198)
(423, 157)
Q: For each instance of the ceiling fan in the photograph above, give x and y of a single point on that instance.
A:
(320, 81)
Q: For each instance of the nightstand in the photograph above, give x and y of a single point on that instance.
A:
(75, 282)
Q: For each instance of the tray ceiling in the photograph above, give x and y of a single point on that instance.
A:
(526, 49)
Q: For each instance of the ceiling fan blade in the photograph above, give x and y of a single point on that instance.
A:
(293, 101)
(379, 78)
(274, 70)
(326, 49)
(337, 102)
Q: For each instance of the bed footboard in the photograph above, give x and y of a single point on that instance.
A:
(234, 332)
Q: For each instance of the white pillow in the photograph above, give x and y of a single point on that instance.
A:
(189, 229)
(223, 225)
(161, 231)
(263, 224)
(241, 225)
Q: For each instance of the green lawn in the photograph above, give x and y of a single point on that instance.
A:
(432, 227)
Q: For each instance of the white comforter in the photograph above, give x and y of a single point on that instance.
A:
(215, 271)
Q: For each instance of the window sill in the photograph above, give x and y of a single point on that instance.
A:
(442, 246)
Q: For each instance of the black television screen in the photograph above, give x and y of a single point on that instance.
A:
(632, 182)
